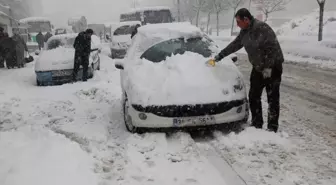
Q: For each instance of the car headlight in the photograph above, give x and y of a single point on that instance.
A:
(239, 85)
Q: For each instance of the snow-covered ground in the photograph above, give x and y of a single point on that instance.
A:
(298, 39)
(74, 134)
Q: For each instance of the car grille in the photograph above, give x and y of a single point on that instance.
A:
(190, 110)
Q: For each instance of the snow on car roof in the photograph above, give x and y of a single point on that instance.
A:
(142, 9)
(63, 36)
(35, 19)
(152, 34)
(170, 30)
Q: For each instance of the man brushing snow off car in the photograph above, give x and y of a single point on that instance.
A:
(265, 54)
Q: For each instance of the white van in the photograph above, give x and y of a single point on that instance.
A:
(121, 38)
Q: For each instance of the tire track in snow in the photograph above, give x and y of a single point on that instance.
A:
(168, 158)
(307, 93)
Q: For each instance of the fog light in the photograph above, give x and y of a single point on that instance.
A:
(239, 109)
(142, 116)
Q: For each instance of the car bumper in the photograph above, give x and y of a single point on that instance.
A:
(118, 53)
(49, 77)
(235, 114)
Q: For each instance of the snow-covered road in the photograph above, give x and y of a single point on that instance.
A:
(74, 134)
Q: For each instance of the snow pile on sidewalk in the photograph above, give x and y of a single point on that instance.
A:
(307, 26)
(36, 156)
(181, 79)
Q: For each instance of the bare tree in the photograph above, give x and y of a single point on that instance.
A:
(234, 4)
(219, 6)
(270, 6)
(208, 9)
(321, 4)
(185, 10)
(198, 6)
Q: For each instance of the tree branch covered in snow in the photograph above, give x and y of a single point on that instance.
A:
(234, 4)
(187, 11)
(218, 7)
(270, 6)
(198, 6)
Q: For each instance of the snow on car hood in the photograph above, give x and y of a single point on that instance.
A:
(182, 79)
(55, 59)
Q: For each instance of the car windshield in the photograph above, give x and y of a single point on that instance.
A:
(39, 26)
(161, 51)
(124, 30)
(154, 16)
(65, 42)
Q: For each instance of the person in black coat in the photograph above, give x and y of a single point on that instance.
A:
(40, 40)
(135, 31)
(82, 47)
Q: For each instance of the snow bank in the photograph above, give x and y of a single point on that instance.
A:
(181, 79)
(35, 156)
(306, 26)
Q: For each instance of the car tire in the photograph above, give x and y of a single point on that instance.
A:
(128, 123)
(38, 83)
(98, 68)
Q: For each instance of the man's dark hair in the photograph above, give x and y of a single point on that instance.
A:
(244, 13)
(89, 31)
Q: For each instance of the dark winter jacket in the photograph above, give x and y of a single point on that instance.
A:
(40, 39)
(47, 36)
(260, 43)
(82, 44)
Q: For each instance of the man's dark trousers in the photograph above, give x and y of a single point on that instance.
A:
(81, 60)
(272, 84)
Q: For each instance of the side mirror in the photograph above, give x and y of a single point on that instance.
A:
(234, 59)
(119, 66)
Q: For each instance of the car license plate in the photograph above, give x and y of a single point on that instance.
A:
(203, 120)
(61, 73)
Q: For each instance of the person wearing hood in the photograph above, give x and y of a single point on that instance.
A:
(266, 56)
(20, 48)
(47, 36)
(40, 40)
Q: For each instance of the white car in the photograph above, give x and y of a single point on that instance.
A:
(166, 82)
(55, 64)
(121, 38)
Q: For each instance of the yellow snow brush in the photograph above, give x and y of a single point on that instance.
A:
(211, 62)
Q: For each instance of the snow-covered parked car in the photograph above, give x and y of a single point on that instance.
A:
(121, 38)
(56, 63)
(167, 84)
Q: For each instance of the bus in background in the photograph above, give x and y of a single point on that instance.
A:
(36, 24)
(148, 15)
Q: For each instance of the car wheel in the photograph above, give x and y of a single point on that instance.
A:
(38, 82)
(98, 68)
(128, 119)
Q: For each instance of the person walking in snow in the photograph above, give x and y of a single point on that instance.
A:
(266, 56)
(82, 47)
(40, 40)
(20, 48)
(2, 53)
(135, 31)
(47, 36)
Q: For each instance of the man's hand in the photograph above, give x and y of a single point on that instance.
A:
(267, 73)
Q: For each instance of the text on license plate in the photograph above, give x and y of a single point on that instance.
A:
(61, 73)
(204, 120)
